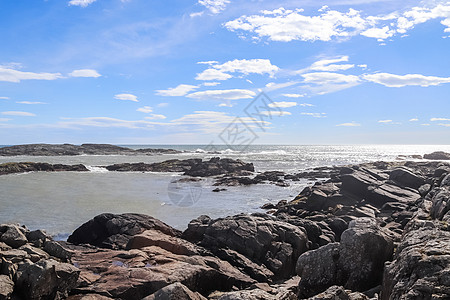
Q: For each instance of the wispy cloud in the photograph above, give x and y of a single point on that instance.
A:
(233, 94)
(240, 66)
(439, 119)
(9, 74)
(283, 104)
(85, 73)
(214, 6)
(82, 3)
(392, 80)
(293, 95)
(30, 102)
(180, 90)
(126, 97)
(18, 113)
(315, 115)
(352, 124)
(145, 109)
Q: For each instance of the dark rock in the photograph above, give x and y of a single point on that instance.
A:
(46, 279)
(438, 155)
(235, 181)
(13, 235)
(259, 237)
(216, 190)
(21, 167)
(175, 291)
(406, 177)
(356, 262)
(114, 231)
(173, 165)
(68, 149)
(217, 166)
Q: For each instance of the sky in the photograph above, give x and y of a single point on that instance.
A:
(225, 72)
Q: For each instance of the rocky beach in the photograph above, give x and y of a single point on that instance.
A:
(376, 230)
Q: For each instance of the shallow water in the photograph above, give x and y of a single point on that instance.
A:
(60, 202)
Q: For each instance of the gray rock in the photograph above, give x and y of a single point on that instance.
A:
(406, 177)
(421, 269)
(13, 236)
(356, 262)
(438, 155)
(46, 279)
(175, 291)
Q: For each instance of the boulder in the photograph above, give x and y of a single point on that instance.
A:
(355, 263)
(217, 166)
(259, 237)
(114, 231)
(406, 177)
(421, 269)
(13, 235)
(21, 167)
(175, 291)
(46, 279)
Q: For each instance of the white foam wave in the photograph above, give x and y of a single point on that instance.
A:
(97, 169)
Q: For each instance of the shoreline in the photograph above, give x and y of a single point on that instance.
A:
(282, 254)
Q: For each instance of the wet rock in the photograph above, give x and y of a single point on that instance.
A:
(175, 291)
(88, 297)
(217, 166)
(173, 165)
(114, 231)
(21, 167)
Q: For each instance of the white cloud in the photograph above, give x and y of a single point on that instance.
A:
(439, 119)
(329, 65)
(163, 104)
(196, 14)
(288, 25)
(272, 86)
(315, 115)
(180, 90)
(126, 97)
(445, 125)
(328, 82)
(85, 73)
(4, 119)
(30, 102)
(223, 94)
(213, 74)
(211, 83)
(392, 80)
(242, 66)
(293, 95)
(18, 113)
(156, 117)
(379, 33)
(4, 98)
(352, 124)
(209, 62)
(425, 124)
(389, 122)
(414, 120)
(82, 3)
(306, 105)
(214, 6)
(283, 104)
(145, 109)
(11, 75)
(278, 113)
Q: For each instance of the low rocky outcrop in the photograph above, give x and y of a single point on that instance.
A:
(22, 167)
(173, 165)
(84, 149)
(438, 155)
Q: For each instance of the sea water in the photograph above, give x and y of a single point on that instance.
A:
(60, 202)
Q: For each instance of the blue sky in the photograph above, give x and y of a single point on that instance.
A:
(179, 72)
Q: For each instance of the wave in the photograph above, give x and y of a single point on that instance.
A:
(94, 169)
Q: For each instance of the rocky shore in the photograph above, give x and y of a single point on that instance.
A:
(84, 149)
(371, 231)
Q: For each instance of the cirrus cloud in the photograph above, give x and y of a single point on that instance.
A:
(233, 94)
(85, 73)
(180, 90)
(392, 80)
(18, 113)
(126, 97)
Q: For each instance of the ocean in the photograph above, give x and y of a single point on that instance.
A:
(60, 202)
